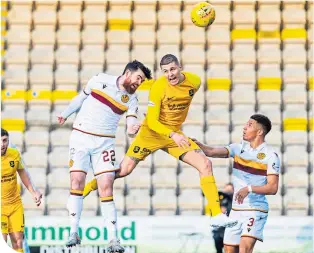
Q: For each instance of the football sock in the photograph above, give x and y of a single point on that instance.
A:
(19, 250)
(90, 186)
(109, 212)
(75, 206)
(210, 191)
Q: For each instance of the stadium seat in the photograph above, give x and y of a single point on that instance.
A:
(69, 15)
(15, 77)
(217, 114)
(269, 16)
(243, 36)
(66, 77)
(237, 132)
(60, 137)
(275, 204)
(223, 14)
(20, 14)
(272, 111)
(115, 37)
(193, 54)
(133, 181)
(296, 201)
(244, 16)
(17, 54)
(92, 54)
(94, 35)
(55, 204)
(138, 200)
(89, 70)
(36, 157)
(269, 96)
(294, 15)
(119, 200)
(294, 73)
(18, 34)
(295, 156)
(44, 34)
(293, 35)
(45, 15)
(197, 69)
(144, 14)
(269, 71)
(190, 200)
(162, 159)
(189, 178)
(159, 201)
(217, 135)
(219, 34)
(41, 76)
(59, 157)
(195, 114)
(36, 55)
(17, 138)
(117, 54)
(238, 98)
(294, 54)
(269, 53)
(221, 171)
(95, 14)
(30, 208)
(143, 35)
(38, 176)
(164, 178)
(67, 54)
(244, 54)
(59, 178)
(295, 94)
(38, 115)
(218, 54)
(274, 136)
(169, 34)
(193, 35)
(244, 74)
(194, 131)
(68, 35)
(36, 138)
(166, 49)
(220, 72)
(142, 96)
(295, 176)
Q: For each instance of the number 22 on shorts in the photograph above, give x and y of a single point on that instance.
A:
(109, 156)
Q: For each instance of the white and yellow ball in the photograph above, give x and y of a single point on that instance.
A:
(203, 14)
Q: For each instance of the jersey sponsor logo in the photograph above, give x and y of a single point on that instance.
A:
(170, 98)
(136, 149)
(178, 107)
(261, 156)
(125, 98)
(191, 92)
(12, 164)
(150, 103)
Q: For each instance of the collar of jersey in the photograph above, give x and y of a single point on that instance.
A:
(260, 147)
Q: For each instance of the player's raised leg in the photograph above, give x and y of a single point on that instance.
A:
(231, 248)
(17, 241)
(247, 244)
(108, 210)
(75, 205)
(198, 160)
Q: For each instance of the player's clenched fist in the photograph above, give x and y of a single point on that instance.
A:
(180, 140)
(61, 120)
(37, 197)
(135, 128)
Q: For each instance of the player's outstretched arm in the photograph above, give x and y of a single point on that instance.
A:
(215, 152)
(75, 105)
(133, 126)
(26, 179)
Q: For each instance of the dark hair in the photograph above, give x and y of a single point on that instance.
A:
(264, 121)
(4, 132)
(168, 58)
(135, 65)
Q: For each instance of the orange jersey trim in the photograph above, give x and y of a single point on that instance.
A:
(107, 100)
(248, 163)
(106, 171)
(259, 239)
(100, 135)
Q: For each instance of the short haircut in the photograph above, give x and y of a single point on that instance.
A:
(136, 65)
(169, 58)
(4, 132)
(264, 121)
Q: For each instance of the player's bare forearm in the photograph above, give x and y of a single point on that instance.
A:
(270, 188)
(26, 180)
(215, 152)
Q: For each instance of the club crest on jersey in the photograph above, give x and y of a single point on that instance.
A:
(125, 98)
(71, 163)
(261, 156)
(191, 92)
(12, 164)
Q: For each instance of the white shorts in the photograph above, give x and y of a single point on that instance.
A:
(90, 151)
(250, 224)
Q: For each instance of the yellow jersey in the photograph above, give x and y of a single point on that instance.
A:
(169, 104)
(10, 163)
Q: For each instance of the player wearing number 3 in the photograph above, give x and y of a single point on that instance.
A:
(255, 174)
(100, 106)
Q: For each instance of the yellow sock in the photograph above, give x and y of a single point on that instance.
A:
(210, 191)
(90, 186)
(19, 250)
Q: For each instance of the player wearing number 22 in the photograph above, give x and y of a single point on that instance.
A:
(100, 106)
(255, 174)
(169, 100)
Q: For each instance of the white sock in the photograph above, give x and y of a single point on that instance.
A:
(75, 206)
(109, 212)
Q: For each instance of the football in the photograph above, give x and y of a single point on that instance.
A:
(203, 14)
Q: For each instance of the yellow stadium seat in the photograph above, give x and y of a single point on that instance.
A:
(294, 124)
(13, 95)
(119, 24)
(39, 95)
(13, 124)
(311, 83)
(293, 34)
(243, 34)
(63, 95)
(269, 83)
(268, 36)
(311, 124)
(218, 84)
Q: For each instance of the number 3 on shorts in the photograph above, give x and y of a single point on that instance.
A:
(109, 156)
(251, 223)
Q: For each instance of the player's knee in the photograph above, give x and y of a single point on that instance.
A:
(206, 169)
(17, 243)
(245, 249)
(77, 184)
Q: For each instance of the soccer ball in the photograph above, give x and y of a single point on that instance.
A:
(203, 14)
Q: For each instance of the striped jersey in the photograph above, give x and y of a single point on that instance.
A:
(102, 109)
(251, 167)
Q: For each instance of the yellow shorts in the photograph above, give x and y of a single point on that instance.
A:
(12, 218)
(148, 141)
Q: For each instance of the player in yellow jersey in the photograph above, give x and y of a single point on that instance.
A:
(169, 100)
(12, 212)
